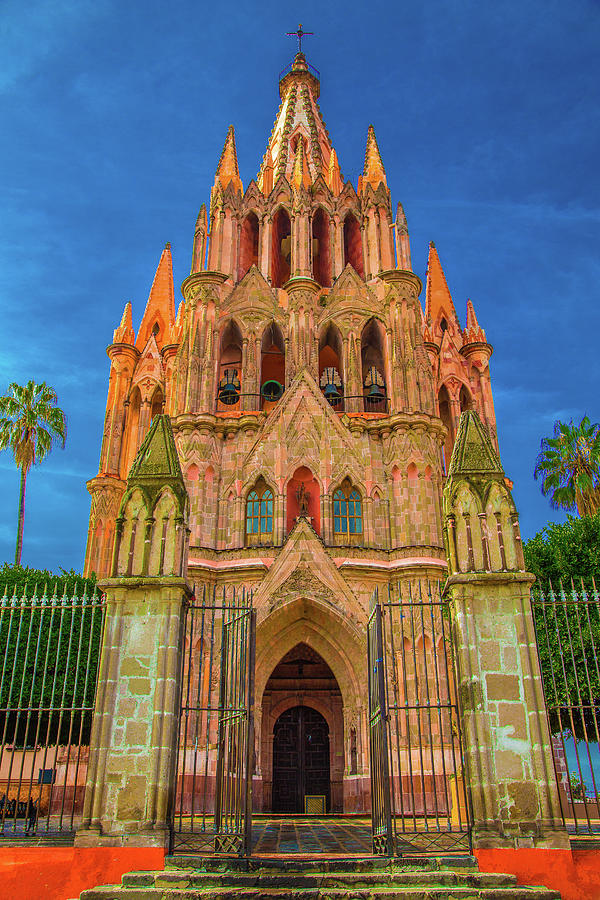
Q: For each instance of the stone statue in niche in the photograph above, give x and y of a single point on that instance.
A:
(303, 498)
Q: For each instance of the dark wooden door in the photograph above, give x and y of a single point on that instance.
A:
(300, 758)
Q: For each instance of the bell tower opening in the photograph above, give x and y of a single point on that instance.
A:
(353, 252)
(281, 249)
(303, 733)
(321, 254)
(248, 244)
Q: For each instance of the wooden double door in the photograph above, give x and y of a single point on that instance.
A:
(300, 759)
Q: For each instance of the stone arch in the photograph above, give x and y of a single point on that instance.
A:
(469, 546)
(163, 542)
(132, 426)
(326, 630)
(230, 365)
(248, 243)
(499, 509)
(303, 475)
(272, 365)
(352, 242)
(321, 249)
(331, 365)
(130, 557)
(465, 399)
(373, 365)
(444, 410)
(281, 246)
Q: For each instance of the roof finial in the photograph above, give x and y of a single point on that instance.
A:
(299, 34)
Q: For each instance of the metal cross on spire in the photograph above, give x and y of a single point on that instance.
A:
(299, 34)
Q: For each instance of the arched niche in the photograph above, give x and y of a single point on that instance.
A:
(248, 244)
(272, 366)
(281, 248)
(163, 542)
(157, 402)
(500, 531)
(353, 251)
(301, 678)
(465, 399)
(321, 248)
(303, 499)
(332, 635)
(132, 428)
(373, 367)
(469, 543)
(230, 367)
(446, 417)
(131, 546)
(331, 366)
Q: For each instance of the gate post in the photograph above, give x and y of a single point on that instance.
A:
(508, 751)
(132, 764)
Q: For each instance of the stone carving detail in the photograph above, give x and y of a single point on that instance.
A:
(302, 583)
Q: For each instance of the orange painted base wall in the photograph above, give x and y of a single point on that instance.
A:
(575, 873)
(58, 873)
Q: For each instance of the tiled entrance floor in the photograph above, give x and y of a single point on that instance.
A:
(346, 836)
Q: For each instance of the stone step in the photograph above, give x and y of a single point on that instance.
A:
(184, 878)
(189, 883)
(321, 863)
(431, 892)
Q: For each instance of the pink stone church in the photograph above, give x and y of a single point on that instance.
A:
(314, 397)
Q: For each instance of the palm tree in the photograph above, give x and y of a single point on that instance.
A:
(30, 421)
(569, 466)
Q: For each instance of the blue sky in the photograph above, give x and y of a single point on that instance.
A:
(113, 118)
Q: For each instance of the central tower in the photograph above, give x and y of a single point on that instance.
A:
(314, 406)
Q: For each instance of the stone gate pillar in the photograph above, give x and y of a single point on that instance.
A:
(508, 752)
(132, 764)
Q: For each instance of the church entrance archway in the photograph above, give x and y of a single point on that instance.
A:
(300, 760)
(302, 734)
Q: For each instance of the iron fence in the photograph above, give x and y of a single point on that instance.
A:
(426, 794)
(567, 625)
(212, 810)
(50, 648)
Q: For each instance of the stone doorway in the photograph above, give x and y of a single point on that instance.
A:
(300, 760)
(302, 734)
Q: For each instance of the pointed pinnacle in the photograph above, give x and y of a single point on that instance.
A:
(373, 171)
(202, 220)
(227, 169)
(401, 223)
(300, 172)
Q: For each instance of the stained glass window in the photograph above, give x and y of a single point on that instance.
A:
(347, 512)
(259, 514)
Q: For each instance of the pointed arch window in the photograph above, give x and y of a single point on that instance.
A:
(347, 511)
(259, 515)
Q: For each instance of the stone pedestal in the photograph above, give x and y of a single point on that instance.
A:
(133, 744)
(508, 750)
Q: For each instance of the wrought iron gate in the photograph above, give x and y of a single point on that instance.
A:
(213, 803)
(418, 792)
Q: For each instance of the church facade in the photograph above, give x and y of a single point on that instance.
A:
(314, 405)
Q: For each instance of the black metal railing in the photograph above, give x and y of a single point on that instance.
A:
(245, 402)
(48, 674)
(213, 799)
(426, 790)
(238, 402)
(567, 625)
(359, 403)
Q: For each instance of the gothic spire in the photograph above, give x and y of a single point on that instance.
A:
(160, 308)
(227, 170)
(298, 118)
(439, 306)
(125, 334)
(373, 172)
